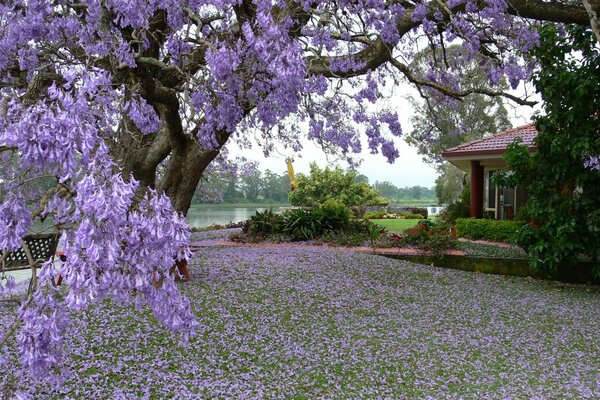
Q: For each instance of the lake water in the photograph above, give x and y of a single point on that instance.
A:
(200, 217)
(206, 216)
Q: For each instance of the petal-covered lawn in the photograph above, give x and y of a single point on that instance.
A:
(316, 323)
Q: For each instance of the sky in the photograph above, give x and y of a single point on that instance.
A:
(408, 170)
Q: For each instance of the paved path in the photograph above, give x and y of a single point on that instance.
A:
(363, 249)
(488, 243)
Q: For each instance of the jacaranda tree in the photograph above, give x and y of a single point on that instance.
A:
(124, 104)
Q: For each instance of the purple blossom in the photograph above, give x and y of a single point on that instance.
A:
(592, 162)
(143, 115)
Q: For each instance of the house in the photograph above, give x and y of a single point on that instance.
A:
(482, 158)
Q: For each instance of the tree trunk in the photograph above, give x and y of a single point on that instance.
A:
(186, 165)
(183, 174)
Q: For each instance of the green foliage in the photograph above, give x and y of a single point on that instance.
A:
(225, 186)
(564, 200)
(383, 214)
(488, 229)
(401, 195)
(429, 236)
(356, 233)
(334, 216)
(458, 209)
(450, 183)
(336, 184)
(298, 225)
(302, 224)
(264, 223)
(375, 214)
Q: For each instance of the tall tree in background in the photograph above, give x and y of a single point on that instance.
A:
(275, 187)
(250, 183)
(440, 122)
(450, 184)
(387, 189)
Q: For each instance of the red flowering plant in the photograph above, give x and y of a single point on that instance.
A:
(427, 235)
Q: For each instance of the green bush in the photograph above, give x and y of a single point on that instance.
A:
(323, 184)
(374, 214)
(357, 232)
(505, 231)
(333, 215)
(414, 216)
(300, 225)
(263, 223)
(458, 209)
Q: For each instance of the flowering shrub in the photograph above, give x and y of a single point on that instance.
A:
(429, 236)
(417, 234)
(383, 214)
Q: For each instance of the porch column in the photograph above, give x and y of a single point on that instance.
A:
(476, 189)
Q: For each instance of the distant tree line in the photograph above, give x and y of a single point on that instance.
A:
(251, 186)
(254, 186)
(397, 194)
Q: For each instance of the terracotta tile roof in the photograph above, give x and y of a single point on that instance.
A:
(496, 143)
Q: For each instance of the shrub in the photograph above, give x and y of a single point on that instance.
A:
(422, 211)
(300, 225)
(505, 231)
(323, 184)
(358, 211)
(429, 236)
(374, 214)
(263, 223)
(333, 215)
(414, 216)
(380, 212)
(458, 209)
(356, 233)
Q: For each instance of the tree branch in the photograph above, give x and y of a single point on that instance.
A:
(455, 94)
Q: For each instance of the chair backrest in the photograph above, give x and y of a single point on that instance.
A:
(41, 246)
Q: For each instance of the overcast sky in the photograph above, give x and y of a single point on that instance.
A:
(408, 169)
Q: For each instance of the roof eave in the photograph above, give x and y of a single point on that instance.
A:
(476, 153)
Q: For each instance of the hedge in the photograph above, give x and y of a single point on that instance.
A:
(488, 229)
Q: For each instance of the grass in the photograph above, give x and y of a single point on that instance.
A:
(317, 323)
(395, 225)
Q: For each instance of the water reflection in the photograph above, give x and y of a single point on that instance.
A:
(207, 216)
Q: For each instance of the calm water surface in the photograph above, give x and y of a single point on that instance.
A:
(207, 216)
(200, 217)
